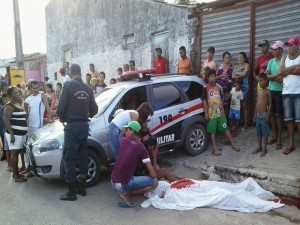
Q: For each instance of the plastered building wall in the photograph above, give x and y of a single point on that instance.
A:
(94, 31)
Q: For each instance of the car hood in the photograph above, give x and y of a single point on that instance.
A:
(49, 131)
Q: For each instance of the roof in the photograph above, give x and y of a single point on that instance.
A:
(39, 57)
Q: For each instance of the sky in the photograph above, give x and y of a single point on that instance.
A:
(33, 27)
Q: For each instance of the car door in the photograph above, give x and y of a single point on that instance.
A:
(165, 123)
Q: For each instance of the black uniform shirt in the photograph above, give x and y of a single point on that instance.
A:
(77, 102)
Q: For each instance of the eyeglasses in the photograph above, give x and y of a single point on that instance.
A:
(290, 45)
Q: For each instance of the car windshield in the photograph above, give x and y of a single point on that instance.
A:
(105, 98)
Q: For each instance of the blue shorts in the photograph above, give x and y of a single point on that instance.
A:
(234, 114)
(291, 104)
(245, 93)
(135, 183)
(262, 127)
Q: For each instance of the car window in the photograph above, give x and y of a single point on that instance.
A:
(165, 95)
(192, 89)
(133, 98)
(106, 98)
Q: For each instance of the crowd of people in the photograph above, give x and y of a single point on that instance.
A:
(27, 107)
(226, 93)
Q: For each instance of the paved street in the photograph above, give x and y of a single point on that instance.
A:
(37, 202)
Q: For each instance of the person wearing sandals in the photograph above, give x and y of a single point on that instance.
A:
(16, 129)
(275, 86)
(289, 70)
(132, 153)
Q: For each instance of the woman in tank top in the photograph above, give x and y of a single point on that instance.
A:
(241, 72)
(16, 129)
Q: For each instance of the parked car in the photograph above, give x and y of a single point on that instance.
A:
(178, 122)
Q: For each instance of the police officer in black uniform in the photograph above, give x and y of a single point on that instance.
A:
(76, 105)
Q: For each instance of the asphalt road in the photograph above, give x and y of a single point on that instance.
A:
(37, 202)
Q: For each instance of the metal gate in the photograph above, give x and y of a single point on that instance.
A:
(226, 31)
(277, 21)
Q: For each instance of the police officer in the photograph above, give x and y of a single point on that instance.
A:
(76, 105)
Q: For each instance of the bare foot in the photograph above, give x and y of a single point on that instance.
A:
(216, 152)
(257, 150)
(263, 153)
(235, 148)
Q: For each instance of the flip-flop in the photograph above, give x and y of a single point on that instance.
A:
(288, 150)
(278, 146)
(20, 179)
(127, 204)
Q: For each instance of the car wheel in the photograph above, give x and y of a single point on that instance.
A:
(196, 140)
(94, 168)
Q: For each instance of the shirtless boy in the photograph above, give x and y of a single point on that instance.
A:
(261, 115)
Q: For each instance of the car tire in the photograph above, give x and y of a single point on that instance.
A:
(94, 170)
(196, 140)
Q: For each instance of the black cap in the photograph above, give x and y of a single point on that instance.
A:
(158, 49)
(75, 69)
(263, 43)
(211, 49)
(3, 84)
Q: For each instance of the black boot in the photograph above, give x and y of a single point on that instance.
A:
(81, 187)
(71, 194)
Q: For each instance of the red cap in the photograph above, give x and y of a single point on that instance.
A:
(62, 70)
(293, 40)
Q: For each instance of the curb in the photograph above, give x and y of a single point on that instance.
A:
(278, 184)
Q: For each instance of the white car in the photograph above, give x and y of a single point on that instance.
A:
(178, 121)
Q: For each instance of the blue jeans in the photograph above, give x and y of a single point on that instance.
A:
(75, 150)
(134, 184)
(113, 135)
(291, 104)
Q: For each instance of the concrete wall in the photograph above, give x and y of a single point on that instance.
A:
(94, 32)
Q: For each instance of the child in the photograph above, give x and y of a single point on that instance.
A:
(235, 107)
(214, 111)
(112, 81)
(100, 85)
(261, 114)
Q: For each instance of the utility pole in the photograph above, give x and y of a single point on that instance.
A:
(18, 37)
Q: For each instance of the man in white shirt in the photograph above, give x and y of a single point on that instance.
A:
(290, 71)
(35, 106)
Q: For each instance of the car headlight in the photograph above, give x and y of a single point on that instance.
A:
(49, 145)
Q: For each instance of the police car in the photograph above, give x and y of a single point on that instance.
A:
(178, 122)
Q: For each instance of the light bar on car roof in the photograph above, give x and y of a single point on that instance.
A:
(138, 74)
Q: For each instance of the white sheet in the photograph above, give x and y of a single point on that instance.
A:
(246, 196)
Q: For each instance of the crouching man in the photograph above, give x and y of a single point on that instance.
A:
(132, 152)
